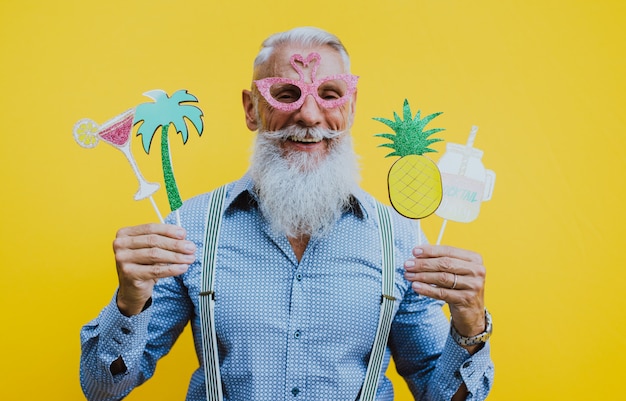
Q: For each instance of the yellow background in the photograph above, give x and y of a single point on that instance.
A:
(544, 81)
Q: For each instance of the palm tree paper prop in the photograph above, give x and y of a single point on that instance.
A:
(165, 111)
(414, 181)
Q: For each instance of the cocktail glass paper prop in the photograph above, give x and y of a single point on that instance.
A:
(466, 182)
(414, 181)
(116, 132)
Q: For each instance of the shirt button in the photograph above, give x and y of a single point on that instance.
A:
(295, 391)
(125, 330)
(457, 375)
(467, 364)
(299, 276)
(296, 334)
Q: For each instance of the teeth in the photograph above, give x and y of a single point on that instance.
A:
(305, 140)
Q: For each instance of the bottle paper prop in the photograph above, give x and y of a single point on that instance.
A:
(163, 112)
(414, 181)
(466, 182)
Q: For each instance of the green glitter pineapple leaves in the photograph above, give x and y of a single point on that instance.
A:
(414, 181)
(165, 111)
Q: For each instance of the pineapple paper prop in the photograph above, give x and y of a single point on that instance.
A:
(414, 181)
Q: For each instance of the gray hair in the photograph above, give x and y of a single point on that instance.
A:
(305, 36)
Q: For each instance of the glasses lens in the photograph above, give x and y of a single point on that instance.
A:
(285, 93)
(333, 89)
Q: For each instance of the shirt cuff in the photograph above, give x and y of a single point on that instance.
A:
(122, 336)
(458, 366)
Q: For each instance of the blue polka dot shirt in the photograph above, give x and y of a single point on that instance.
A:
(287, 330)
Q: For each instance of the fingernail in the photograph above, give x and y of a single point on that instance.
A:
(409, 263)
(409, 276)
(190, 247)
(416, 286)
(418, 251)
(180, 233)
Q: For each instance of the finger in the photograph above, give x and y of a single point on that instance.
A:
(439, 279)
(142, 276)
(151, 256)
(155, 272)
(437, 251)
(445, 280)
(154, 241)
(467, 299)
(164, 236)
(444, 264)
(439, 286)
(433, 291)
(167, 230)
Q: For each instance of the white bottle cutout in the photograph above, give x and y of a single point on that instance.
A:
(466, 182)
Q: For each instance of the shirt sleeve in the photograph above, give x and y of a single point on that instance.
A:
(429, 359)
(138, 342)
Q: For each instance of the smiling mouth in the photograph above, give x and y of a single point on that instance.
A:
(305, 140)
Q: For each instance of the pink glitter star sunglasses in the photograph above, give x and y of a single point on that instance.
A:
(289, 94)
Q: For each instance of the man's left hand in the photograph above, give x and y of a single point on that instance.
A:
(454, 275)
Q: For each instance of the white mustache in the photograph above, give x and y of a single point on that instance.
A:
(300, 133)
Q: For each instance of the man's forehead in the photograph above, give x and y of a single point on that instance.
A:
(279, 64)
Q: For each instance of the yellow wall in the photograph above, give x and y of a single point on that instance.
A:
(544, 80)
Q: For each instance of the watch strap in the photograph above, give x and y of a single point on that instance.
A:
(474, 340)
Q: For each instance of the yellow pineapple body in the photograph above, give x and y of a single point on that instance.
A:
(415, 188)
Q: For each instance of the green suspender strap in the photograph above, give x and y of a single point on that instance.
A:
(213, 381)
(370, 385)
(210, 357)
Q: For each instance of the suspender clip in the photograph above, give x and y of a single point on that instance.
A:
(389, 297)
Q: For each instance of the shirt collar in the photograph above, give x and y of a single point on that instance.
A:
(241, 196)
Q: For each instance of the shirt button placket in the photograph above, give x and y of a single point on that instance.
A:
(296, 344)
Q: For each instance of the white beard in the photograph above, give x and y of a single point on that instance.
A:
(303, 194)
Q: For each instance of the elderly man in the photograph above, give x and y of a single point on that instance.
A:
(297, 288)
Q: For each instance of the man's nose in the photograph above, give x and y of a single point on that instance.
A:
(310, 114)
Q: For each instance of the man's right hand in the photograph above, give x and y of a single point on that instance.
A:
(144, 254)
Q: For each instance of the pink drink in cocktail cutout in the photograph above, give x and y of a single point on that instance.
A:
(116, 131)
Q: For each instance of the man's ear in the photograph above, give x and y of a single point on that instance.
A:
(249, 109)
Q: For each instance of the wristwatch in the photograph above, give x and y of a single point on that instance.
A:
(474, 340)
